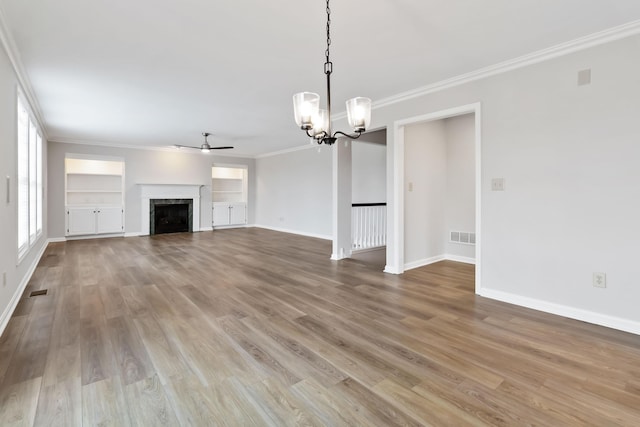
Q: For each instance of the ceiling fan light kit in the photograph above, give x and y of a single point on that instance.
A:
(316, 122)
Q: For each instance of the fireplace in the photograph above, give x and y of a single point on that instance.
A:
(168, 194)
(170, 216)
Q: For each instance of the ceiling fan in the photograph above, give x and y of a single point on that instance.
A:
(205, 147)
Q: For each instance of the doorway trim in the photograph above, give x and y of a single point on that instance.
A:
(395, 228)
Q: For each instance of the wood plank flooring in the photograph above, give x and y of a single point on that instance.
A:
(255, 327)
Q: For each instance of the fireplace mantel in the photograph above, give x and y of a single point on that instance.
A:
(168, 191)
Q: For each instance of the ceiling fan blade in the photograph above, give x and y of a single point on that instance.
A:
(205, 147)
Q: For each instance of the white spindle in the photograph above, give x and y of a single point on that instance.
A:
(368, 226)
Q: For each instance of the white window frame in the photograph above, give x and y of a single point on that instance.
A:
(30, 214)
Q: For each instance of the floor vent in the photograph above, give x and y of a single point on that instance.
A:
(38, 293)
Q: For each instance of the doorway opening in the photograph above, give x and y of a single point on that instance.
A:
(436, 190)
(369, 197)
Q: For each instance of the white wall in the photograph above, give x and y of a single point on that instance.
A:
(143, 167)
(460, 196)
(294, 191)
(368, 172)
(425, 183)
(341, 244)
(17, 272)
(569, 156)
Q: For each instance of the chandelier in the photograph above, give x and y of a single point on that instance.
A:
(316, 122)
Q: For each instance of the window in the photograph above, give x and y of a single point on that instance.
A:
(29, 179)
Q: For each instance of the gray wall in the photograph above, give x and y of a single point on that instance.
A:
(294, 191)
(460, 194)
(569, 155)
(17, 271)
(143, 167)
(425, 176)
(368, 172)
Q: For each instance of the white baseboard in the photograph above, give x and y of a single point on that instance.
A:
(300, 233)
(563, 310)
(6, 315)
(95, 236)
(458, 258)
(391, 270)
(227, 227)
(437, 258)
(139, 233)
(361, 251)
(422, 262)
(92, 236)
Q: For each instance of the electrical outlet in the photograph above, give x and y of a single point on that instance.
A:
(599, 280)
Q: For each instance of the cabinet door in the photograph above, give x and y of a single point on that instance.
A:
(109, 220)
(220, 214)
(81, 221)
(238, 213)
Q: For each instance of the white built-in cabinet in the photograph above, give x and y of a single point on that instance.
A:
(229, 214)
(94, 196)
(99, 220)
(229, 196)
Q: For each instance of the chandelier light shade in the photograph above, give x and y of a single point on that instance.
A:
(320, 123)
(316, 122)
(305, 108)
(359, 113)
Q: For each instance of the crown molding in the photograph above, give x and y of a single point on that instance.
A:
(112, 145)
(174, 150)
(23, 79)
(287, 150)
(612, 34)
(165, 148)
(596, 39)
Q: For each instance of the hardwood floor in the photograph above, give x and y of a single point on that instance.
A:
(255, 327)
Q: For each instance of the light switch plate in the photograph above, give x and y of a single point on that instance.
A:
(584, 77)
(497, 184)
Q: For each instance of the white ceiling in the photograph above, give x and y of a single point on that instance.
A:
(157, 72)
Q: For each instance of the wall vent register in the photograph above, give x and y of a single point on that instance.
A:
(464, 237)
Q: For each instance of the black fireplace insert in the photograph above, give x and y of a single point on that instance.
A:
(170, 216)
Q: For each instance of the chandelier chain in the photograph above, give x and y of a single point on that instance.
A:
(317, 122)
(326, 53)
